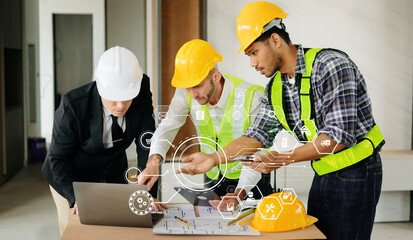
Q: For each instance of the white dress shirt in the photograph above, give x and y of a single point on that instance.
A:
(176, 117)
(107, 126)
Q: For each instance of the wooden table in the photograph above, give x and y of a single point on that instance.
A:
(77, 231)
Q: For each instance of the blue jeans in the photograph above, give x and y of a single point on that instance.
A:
(345, 201)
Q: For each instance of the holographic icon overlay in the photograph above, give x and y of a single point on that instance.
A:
(288, 196)
(311, 131)
(325, 144)
(146, 139)
(272, 209)
(230, 208)
(140, 202)
(180, 153)
(131, 175)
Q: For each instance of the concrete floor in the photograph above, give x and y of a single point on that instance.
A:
(27, 211)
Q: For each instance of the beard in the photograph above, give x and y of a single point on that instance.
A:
(276, 69)
(205, 100)
(275, 61)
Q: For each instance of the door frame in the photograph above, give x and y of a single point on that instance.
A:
(2, 109)
(46, 62)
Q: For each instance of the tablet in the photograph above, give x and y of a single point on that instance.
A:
(197, 198)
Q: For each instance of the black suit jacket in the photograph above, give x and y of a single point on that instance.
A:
(76, 152)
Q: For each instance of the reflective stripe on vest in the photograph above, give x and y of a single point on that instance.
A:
(336, 161)
(235, 121)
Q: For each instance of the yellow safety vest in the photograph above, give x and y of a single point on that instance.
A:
(336, 161)
(235, 121)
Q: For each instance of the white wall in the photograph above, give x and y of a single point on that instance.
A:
(153, 47)
(125, 26)
(376, 34)
(46, 9)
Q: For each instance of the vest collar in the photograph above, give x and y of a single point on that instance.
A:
(299, 67)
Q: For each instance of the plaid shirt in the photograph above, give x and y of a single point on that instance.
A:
(342, 106)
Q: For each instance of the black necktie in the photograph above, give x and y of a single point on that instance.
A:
(117, 133)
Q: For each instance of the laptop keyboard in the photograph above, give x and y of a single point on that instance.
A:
(156, 217)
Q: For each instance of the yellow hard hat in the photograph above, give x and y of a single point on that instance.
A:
(273, 214)
(252, 19)
(193, 62)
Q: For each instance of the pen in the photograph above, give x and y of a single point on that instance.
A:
(247, 220)
(245, 159)
(242, 216)
(182, 221)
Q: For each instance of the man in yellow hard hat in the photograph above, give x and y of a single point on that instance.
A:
(321, 96)
(221, 108)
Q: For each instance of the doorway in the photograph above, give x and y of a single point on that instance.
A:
(12, 141)
(73, 53)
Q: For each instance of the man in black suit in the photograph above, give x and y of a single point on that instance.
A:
(93, 127)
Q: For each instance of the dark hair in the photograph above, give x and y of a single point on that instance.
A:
(281, 32)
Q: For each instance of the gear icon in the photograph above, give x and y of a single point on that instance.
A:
(140, 202)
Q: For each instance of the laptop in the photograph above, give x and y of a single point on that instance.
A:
(114, 204)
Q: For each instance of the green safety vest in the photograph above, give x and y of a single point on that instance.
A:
(235, 121)
(336, 161)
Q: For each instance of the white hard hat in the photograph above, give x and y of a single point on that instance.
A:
(118, 75)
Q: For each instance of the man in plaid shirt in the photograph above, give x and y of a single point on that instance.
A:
(344, 201)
